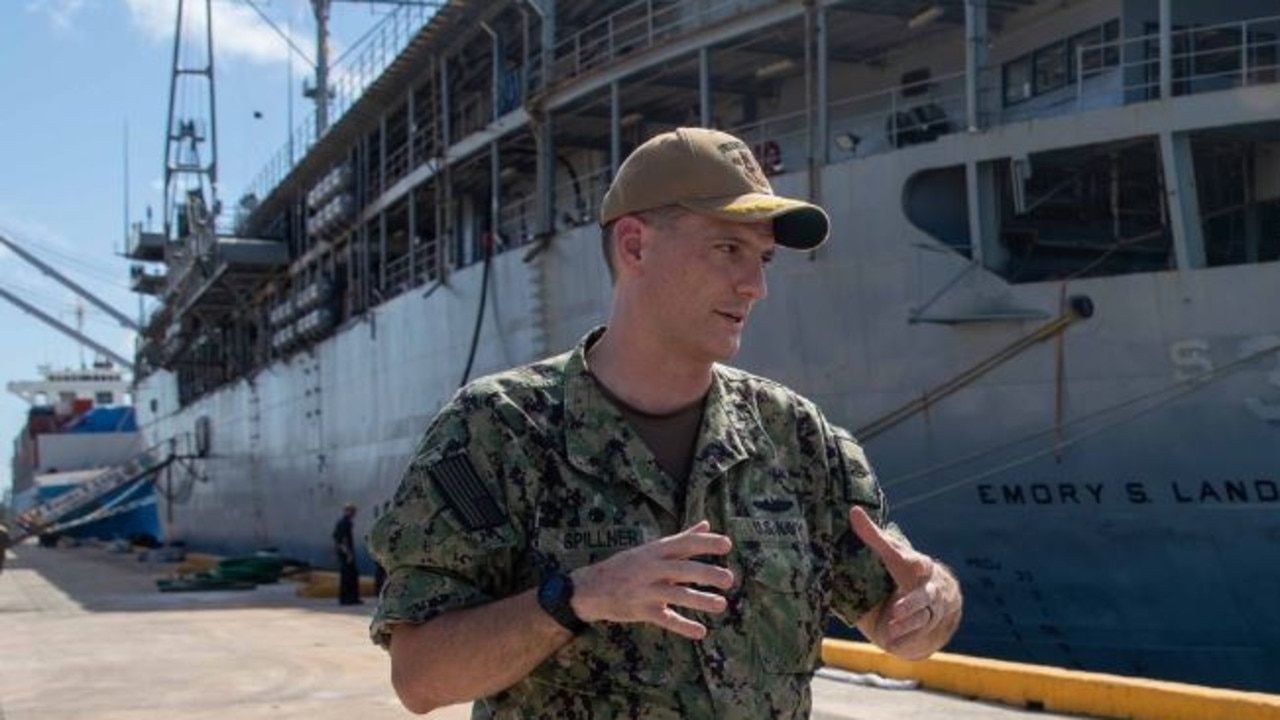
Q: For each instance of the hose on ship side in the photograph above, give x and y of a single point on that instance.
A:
(487, 242)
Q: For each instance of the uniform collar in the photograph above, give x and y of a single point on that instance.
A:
(599, 441)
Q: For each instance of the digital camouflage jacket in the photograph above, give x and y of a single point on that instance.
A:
(534, 468)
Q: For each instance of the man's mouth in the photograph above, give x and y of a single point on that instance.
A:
(737, 318)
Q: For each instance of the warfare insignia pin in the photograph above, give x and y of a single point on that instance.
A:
(773, 504)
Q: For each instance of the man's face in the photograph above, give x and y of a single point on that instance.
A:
(702, 276)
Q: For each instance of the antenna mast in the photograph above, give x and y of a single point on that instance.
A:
(321, 93)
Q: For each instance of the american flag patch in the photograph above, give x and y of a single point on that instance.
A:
(465, 493)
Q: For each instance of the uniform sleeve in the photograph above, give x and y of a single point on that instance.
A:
(861, 580)
(446, 542)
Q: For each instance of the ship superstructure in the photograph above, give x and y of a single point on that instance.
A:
(74, 469)
(60, 400)
(1045, 308)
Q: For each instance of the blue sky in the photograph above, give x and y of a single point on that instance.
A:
(73, 74)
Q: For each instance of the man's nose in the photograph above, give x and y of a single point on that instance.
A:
(753, 284)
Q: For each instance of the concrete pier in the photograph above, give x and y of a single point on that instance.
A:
(87, 635)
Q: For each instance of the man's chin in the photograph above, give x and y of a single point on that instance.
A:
(728, 350)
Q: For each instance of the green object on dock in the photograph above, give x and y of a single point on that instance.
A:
(237, 573)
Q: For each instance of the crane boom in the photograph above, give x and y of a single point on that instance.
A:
(65, 329)
(21, 252)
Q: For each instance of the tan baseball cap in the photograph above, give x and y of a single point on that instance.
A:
(712, 173)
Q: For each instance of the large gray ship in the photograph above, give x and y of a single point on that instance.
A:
(1048, 308)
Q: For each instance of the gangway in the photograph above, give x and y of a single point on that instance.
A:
(88, 501)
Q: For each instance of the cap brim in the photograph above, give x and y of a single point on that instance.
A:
(796, 224)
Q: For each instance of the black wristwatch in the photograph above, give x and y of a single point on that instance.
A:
(554, 595)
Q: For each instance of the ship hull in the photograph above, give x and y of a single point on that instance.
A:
(1106, 492)
(1123, 532)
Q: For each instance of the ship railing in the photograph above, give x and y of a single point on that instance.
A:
(578, 198)
(1206, 58)
(425, 141)
(906, 114)
(397, 163)
(348, 82)
(637, 26)
(1223, 56)
(471, 113)
(780, 142)
(413, 268)
(517, 220)
(399, 271)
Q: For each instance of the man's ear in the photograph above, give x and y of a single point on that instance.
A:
(628, 241)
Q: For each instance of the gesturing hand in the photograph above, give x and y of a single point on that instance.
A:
(924, 611)
(643, 584)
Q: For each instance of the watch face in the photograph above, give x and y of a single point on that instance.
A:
(553, 589)
(554, 595)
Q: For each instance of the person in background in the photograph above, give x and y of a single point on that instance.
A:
(379, 572)
(344, 546)
(4, 545)
(633, 528)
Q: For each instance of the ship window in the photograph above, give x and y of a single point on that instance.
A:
(1082, 55)
(103, 398)
(1086, 50)
(1017, 80)
(1050, 68)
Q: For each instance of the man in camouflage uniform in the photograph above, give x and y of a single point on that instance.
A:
(632, 529)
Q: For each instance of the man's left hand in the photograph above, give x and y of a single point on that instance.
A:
(924, 611)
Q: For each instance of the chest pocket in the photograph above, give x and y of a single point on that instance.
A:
(781, 613)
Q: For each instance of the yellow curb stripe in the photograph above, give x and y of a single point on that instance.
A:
(1056, 689)
(324, 584)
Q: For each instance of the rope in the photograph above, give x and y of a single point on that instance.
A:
(1077, 309)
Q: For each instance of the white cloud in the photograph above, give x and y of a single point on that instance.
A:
(154, 17)
(239, 33)
(62, 13)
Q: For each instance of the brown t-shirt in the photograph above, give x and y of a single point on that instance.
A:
(671, 437)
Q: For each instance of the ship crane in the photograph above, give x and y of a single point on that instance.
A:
(187, 174)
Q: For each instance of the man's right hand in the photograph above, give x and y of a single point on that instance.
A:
(645, 583)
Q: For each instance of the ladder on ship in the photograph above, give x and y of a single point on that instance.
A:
(101, 496)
